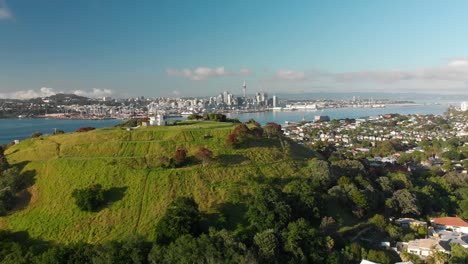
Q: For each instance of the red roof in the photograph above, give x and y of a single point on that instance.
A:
(450, 221)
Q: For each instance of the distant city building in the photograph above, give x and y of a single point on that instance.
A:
(321, 118)
(244, 89)
(275, 101)
(157, 120)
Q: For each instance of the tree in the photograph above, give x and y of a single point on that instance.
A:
(203, 154)
(181, 218)
(303, 244)
(268, 245)
(3, 161)
(404, 202)
(89, 199)
(272, 130)
(267, 209)
(459, 254)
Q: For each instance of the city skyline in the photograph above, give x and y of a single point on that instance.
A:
(201, 48)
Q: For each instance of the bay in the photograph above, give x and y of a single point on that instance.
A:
(281, 117)
(11, 129)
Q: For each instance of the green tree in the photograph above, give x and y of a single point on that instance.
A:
(267, 209)
(268, 245)
(89, 199)
(458, 255)
(182, 217)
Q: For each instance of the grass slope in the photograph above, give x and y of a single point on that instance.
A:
(139, 191)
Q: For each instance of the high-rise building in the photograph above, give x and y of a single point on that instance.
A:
(275, 101)
(244, 89)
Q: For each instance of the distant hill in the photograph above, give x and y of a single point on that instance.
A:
(65, 99)
(127, 164)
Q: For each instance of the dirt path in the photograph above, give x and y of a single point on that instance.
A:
(140, 207)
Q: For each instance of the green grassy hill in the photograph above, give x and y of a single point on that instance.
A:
(126, 163)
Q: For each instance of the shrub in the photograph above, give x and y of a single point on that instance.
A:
(85, 129)
(89, 199)
(180, 157)
(204, 154)
(194, 117)
(272, 129)
(36, 134)
(231, 140)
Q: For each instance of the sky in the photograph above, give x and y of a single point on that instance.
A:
(186, 48)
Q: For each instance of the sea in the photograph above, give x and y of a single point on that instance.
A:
(12, 129)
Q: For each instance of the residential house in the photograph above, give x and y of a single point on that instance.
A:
(454, 223)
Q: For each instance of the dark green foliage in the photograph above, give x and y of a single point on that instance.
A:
(181, 218)
(3, 161)
(268, 245)
(268, 209)
(452, 155)
(89, 199)
(10, 183)
(304, 199)
(194, 117)
(304, 244)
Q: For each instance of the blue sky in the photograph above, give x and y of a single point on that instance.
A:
(190, 48)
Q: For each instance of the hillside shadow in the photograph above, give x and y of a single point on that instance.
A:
(23, 237)
(28, 178)
(114, 195)
(260, 142)
(229, 216)
(234, 159)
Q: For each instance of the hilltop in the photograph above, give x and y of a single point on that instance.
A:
(127, 164)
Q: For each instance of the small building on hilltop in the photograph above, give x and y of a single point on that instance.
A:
(157, 120)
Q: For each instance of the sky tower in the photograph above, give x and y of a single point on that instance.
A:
(244, 88)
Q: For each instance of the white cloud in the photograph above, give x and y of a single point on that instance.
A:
(27, 94)
(46, 91)
(458, 62)
(290, 75)
(245, 71)
(95, 93)
(197, 74)
(456, 70)
(5, 13)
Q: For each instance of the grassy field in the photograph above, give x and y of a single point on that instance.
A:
(138, 190)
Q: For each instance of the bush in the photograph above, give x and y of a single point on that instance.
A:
(89, 199)
(36, 134)
(204, 154)
(85, 129)
(180, 157)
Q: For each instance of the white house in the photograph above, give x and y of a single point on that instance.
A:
(455, 223)
(425, 247)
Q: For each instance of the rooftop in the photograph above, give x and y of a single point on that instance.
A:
(450, 221)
